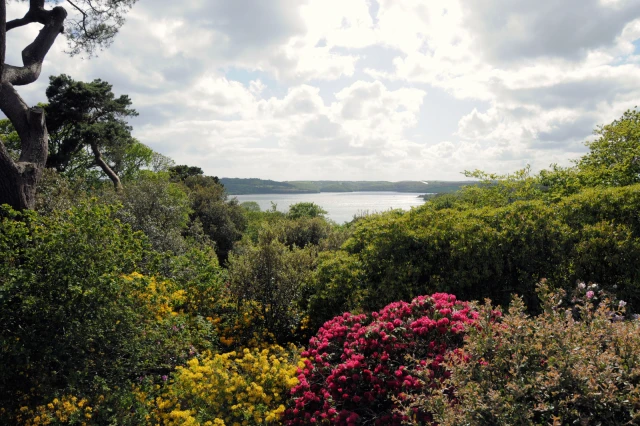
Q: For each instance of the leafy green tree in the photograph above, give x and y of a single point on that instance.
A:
(275, 276)
(222, 220)
(305, 231)
(159, 208)
(182, 172)
(614, 157)
(250, 206)
(88, 128)
(99, 24)
(305, 209)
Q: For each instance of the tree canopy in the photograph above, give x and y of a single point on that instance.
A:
(87, 126)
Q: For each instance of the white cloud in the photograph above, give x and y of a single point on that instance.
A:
(322, 89)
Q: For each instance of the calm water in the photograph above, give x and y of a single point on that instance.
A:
(341, 206)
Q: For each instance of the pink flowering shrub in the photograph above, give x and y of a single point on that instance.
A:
(358, 367)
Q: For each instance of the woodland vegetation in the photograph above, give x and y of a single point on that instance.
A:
(136, 291)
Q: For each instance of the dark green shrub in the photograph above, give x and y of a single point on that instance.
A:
(274, 276)
(222, 220)
(76, 318)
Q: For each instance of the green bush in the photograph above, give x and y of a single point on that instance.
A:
(157, 207)
(305, 209)
(490, 251)
(76, 318)
(274, 276)
(222, 220)
(576, 363)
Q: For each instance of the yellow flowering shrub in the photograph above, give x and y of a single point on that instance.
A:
(235, 388)
(162, 297)
(66, 410)
(241, 326)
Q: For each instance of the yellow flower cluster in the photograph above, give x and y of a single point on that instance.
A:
(233, 389)
(245, 328)
(66, 410)
(162, 297)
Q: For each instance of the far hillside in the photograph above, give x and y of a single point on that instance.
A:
(236, 186)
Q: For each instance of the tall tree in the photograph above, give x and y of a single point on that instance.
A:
(96, 24)
(87, 118)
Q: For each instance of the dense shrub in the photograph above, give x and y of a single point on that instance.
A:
(157, 207)
(576, 363)
(222, 220)
(358, 367)
(336, 287)
(273, 277)
(249, 387)
(305, 231)
(489, 252)
(305, 209)
(75, 317)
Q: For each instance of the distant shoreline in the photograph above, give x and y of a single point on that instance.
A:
(251, 186)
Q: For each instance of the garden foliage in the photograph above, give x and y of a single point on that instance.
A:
(576, 363)
(162, 303)
(492, 252)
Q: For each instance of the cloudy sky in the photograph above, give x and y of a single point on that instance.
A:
(365, 89)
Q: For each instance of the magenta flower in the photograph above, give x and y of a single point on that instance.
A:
(356, 363)
(590, 294)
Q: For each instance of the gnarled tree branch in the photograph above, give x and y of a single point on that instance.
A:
(34, 54)
(36, 13)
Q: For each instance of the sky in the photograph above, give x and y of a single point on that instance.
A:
(364, 89)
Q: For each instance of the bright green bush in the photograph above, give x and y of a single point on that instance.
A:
(576, 363)
(75, 316)
(488, 252)
(305, 209)
(613, 158)
(336, 287)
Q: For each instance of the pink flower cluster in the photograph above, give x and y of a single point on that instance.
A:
(358, 367)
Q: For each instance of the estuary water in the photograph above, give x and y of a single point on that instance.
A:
(341, 206)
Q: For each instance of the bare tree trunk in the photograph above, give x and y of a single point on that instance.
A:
(18, 179)
(105, 167)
